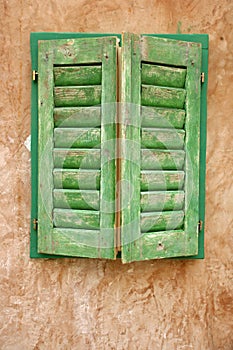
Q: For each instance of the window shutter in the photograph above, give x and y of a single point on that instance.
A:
(160, 126)
(76, 197)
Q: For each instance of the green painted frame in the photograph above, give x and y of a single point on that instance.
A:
(34, 38)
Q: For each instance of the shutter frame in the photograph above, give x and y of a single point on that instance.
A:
(34, 38)
(158, 244)
(50, 239)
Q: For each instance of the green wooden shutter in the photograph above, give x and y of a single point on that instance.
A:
(160, 147)
(76, 103)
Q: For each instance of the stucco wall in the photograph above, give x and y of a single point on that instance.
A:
(88, 304)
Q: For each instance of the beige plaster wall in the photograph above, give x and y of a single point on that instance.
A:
(88, 304)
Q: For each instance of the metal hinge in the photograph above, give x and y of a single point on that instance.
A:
(34, 75)
(202, 77)
(200, 225)
(35, 224)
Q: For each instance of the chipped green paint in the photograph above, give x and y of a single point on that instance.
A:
(152, 180)
(77, 75)
(77, 117)
(77, 179)
(77, 137)
(69, 96)
(160, 221)
(162, 200)
(82, 219)
(76, 199)
(153, 74)
(162, 138)
(169, 151)
(85, 242)
(162, 96)
(154, 117)
(71, 127)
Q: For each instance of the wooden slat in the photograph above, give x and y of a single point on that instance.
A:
(76, 179)
(158, 200)
(77, 117)
(162, 138)
(75, 242)
(45, 146)
(163, 244)
(76, 138)
(73, 159)
(130, 150)
(77, 75)
(163, 96)
(108, 151)
(160, 221)
(71, 96)
(79, 51)
(76, 199)
(153, 74)
(155, 117)
(162, 159)
(167, 51)
(161, 180)
(67, 218)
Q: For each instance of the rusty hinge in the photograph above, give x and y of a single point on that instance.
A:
(200, 225)
(202, 77)
(35, 224)
(34, 75)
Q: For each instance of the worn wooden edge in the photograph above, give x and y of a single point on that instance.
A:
(130, 166)
(108, 148)
(45, 146)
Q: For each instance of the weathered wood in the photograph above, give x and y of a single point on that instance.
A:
(162, 138)
(161, 180)
(154, 117)
(163, 244)
(166, 200)
(77, 179)
(163, 96)
(68, 218)
(71, 96)
(79, 51)
(162, 159)
(160, 221)
(65, 240)
(76, 199)
(77, 137)
(130, 133)
(168, 51)
(75, 242)
(77, 117)
(108, 150)
(45, 146)
(77, 75)
(153, 74)
(75, 159)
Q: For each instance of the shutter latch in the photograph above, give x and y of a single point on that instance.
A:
(35, 224)
(202, 77)
(34, 75)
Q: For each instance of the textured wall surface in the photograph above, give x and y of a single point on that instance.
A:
(88, 304)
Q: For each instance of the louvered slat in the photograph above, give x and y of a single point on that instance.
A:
(77, 117)
(71, 96)
(76, 199)
(76, 179)
(77, 137)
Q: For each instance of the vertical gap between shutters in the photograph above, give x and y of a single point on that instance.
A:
(118, 159)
